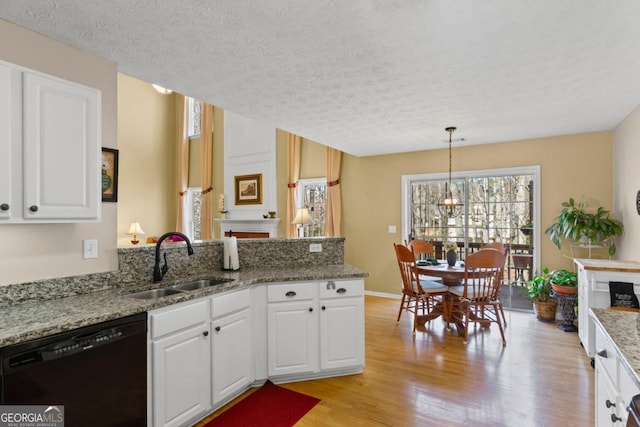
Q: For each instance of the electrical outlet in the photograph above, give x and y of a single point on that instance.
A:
(315, 247)
(90, 248)
(392, 229)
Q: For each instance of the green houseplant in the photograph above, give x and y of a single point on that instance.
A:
(575, 223)
(539, 290)
(564, 282)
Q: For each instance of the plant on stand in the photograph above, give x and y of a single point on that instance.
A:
(564, 282)
(586, 229)
(539, 290)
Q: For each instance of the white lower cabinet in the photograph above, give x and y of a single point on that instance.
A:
(614, 385)
(181, 363)
(231, 344)
(315, 327)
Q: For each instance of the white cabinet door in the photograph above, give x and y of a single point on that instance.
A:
(292, 337)
(232, 354)
(341, 333)
(61, 149)
(181, 376)
(606, 399)
(6, 141)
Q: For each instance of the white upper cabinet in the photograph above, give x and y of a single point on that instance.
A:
(53, 137)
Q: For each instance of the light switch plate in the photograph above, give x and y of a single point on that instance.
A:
(90, 248)
(392, 229)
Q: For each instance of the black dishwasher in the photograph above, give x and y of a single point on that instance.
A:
(98, 372)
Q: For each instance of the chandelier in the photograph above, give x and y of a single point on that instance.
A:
(447, 204)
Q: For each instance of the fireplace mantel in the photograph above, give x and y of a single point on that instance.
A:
(249, 225)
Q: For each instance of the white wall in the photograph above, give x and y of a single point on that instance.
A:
(40, 251)
(626, 183)
(249, 148)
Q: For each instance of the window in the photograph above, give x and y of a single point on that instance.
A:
(312, 194)
(193, 113)
(193, 201)
(191, 214)
(499, 205)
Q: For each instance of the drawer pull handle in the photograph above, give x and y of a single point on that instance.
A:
(602, 353)
(609, 403)
(4, 207)
(290, 294)
(342, 291)
(615, 418)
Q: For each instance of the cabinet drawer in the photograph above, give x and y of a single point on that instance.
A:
(341, 288)
(291, 291)
(176, 318)
(607, 355)
(230, 303)
(627, 385)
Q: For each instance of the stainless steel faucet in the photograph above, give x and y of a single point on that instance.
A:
(158, 273)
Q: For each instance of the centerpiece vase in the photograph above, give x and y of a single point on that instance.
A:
(452, 257)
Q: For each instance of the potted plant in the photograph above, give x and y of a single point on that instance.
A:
(564, 282)
(539, 289)
(575, 223)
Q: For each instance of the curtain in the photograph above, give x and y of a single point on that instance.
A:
(206, 159)
(334, 205)
(183, 159)
(293, 174)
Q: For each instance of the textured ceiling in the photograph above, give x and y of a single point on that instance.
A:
(373, 76)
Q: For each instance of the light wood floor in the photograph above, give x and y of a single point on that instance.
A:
(542, 377)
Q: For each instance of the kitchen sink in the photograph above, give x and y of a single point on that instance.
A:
(199, 284)
(154, 293)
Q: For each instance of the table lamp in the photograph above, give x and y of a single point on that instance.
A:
(302, 218)
(134, 230)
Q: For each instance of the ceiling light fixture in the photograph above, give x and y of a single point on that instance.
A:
(161, 89)
(447, 204)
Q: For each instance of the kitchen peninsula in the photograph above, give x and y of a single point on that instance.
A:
(280, 283)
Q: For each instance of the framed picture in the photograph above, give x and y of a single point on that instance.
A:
(109, 175)
(248, 189)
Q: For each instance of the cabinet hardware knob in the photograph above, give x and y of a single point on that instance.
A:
(324, 308)
(205, 333)
(290, 294)
(342, 291)
(310, 309)
(33, 208)
(615, 418)
(602, 353)
(217, 328)
(4, 207)
(609, 403)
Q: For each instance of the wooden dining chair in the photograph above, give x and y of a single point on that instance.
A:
(418, 295)
(505, 250)
(423, 250)
(478, 298)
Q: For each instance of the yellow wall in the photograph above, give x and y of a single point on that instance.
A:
(571, 166)
(147, 190)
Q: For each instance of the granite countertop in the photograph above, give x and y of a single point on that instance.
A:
(623, 328)
(31, 320)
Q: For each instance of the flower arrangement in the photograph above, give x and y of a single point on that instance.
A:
(449, 246)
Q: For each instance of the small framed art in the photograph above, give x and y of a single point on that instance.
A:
(248, 189)
(109, 175)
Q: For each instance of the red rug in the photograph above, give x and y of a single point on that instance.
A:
(270, 406)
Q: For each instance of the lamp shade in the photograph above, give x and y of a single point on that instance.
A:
(135, 228)
(302, 217)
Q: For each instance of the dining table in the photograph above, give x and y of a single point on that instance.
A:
(451, 276)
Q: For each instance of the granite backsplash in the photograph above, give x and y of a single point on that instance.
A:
(135, 266)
